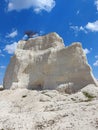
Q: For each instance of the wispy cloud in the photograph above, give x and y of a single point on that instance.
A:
(77, 29)
(12, 34)
(96, 63)
(78, 11)
(1, 54)
(11, 48)
(96, 3)
(37, 5)
(89, 27)
(96, 56)
(2, 67)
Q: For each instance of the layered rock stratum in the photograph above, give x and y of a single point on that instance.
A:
(45, 62)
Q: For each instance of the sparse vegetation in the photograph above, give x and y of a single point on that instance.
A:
(73, 99)
(39, 126)
(30, 33)
(44, 124)
(96, 123)
(89, 96)
(24, 96)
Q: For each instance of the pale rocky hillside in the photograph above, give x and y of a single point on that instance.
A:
(49, 86)
(23, 109)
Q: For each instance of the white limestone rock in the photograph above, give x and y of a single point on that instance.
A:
(91, 90)
(65, 88)
(45, 63)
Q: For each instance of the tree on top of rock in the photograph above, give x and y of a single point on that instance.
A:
(30, 33)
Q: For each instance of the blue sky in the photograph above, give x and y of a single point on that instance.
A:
(73, 20)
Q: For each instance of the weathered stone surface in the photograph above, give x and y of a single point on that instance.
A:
(45, 63)
(23, 109)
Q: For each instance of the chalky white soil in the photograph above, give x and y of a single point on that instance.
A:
(24, 109)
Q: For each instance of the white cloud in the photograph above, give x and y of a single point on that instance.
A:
(74, 27)
(92, 26)
(12, 34)
(1, 53)
(78, 11)
(96, 3)
(86, 51)
(11, 48)
(96, 56)
(37, 5)
(96, 63)
(77, 29)
(2, 67)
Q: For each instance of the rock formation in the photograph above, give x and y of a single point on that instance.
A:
(45, 63)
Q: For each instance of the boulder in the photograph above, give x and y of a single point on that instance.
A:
(45, 62)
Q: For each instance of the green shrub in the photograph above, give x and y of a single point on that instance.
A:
(89, 96)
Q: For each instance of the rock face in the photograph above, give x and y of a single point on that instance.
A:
(45, 63)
